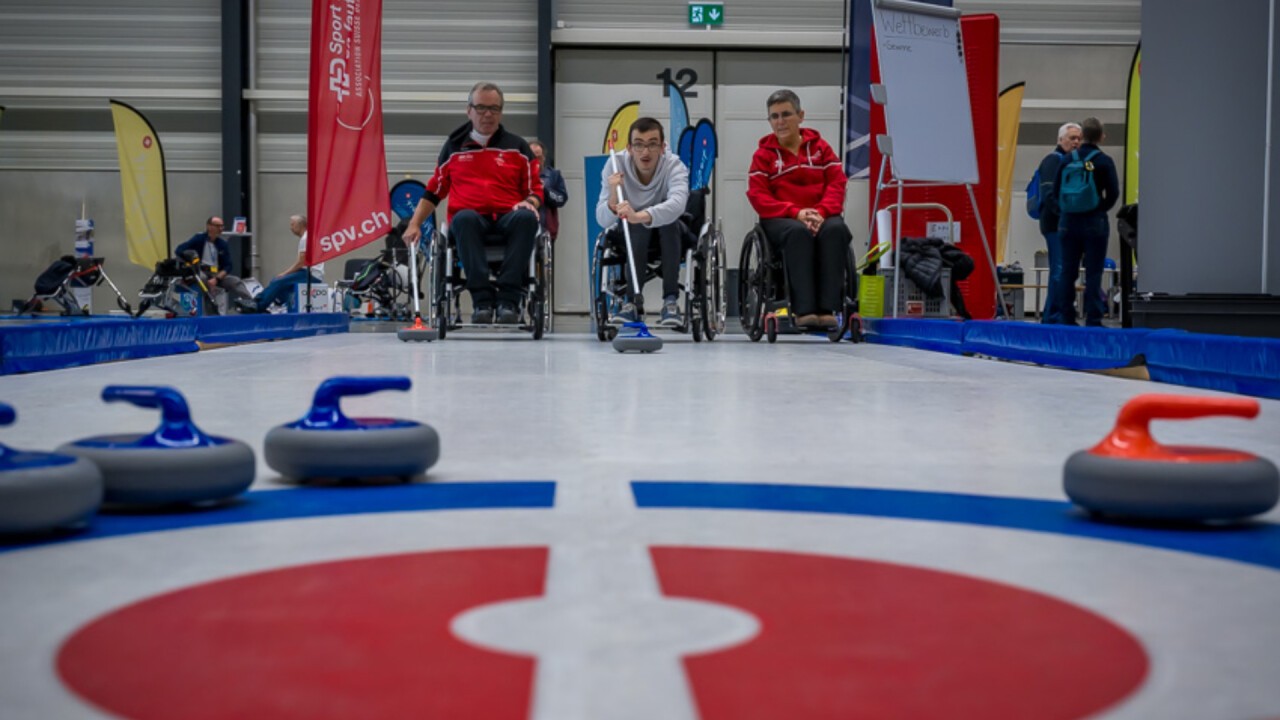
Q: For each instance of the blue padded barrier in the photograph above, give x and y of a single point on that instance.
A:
(50, 345)
(248, 328)
(1064, 346)
(1246, 365)
(938, 335)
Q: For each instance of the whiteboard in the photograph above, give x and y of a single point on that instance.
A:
(927, 109)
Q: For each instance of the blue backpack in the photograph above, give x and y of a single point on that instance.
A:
(1078, 193)
(1035, 201)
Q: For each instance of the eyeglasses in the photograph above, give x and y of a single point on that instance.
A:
(784, 115)
(487, 109)
(654, 146)
(215, 225)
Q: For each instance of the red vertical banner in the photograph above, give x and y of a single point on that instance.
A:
(347, 200)
(982, 64)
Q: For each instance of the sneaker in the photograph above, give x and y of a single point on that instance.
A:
(827, 321)
(807, 321)
(671, 315)
(507, 315)
(628, 314)
(247, 306)
(482, 316)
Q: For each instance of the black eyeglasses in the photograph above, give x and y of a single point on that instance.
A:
(487, 109)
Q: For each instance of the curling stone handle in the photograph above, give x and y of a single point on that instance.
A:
(1133, 424)
(325, 406)
(7, 414)
(172, 406)
(176, 428)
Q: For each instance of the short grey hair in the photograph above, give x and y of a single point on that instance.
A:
(783, 96)
(1066, 128)
(485, 86)
(300, 219)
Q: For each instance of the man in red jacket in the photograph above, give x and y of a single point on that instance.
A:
(491, 179)
(796, 185)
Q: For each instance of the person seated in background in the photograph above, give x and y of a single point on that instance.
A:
(487, 172)
(655, 190)
(797, 185)
(554, 193)
(279, 288)
(215, 253)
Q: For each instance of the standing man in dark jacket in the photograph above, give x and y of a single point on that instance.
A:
(554, 193)
(490, 177)
(1068, 139)
(1085, 233)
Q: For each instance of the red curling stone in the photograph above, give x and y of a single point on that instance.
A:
(1131, 475)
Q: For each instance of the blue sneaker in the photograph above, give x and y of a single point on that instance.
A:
(671, 315)
(628, 314)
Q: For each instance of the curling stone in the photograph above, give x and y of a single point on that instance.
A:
(175, 463)
(44, 491)
(1131, 475)
(642, 341)
(418, 332)
(327, 444)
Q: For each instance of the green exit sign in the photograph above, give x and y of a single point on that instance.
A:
(701, 13)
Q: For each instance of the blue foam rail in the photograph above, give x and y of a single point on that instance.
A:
(33, 345)
(1073, 348)
(937, 335)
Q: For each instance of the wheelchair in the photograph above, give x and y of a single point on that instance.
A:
(702, 275)
(442, 284)
(56, 284)
(173, 278)
(382, 284)
(764, 296)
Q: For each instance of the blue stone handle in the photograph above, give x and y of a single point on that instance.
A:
(176, 428)
(325, 409)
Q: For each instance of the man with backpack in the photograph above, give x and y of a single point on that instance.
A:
(1042, 205)
(1086, 188)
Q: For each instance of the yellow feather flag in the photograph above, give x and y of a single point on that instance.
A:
(1133, 114)
(616, 135)
(1010, 115)
(142, 182)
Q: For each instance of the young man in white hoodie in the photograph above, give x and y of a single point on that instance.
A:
(655, 189)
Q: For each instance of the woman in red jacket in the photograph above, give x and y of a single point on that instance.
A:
(797, 186)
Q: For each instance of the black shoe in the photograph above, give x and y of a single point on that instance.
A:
(482, 316)
(247, 306)
(507, 315)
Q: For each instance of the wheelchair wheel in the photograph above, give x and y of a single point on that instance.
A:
(753, 283)
(694, 308)
(600, 300)
(848, 314)
(548, 283)
(439, 296)
(538, 303)
(713, 308)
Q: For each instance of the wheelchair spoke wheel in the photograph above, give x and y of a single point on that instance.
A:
(714, 308)
(599, 299)
(751, 287)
